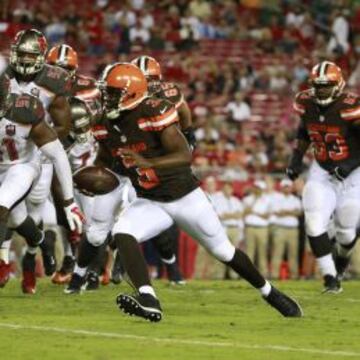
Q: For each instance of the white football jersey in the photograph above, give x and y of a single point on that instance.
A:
(15, 145)
(82, 154)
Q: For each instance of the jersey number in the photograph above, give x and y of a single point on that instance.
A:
(340, 149)
(147, 178)
(10, 146)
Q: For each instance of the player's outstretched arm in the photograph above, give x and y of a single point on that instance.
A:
(175, 146)
(47, 141)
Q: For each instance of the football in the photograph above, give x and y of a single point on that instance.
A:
(95, 180)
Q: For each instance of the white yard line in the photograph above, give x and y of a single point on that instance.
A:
(189, 342)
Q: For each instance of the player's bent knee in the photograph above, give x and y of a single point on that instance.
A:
(345, 236)
(314, 224)
(224, 251)
(97, 234)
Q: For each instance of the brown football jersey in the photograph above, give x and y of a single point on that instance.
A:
(171, 92)
(140, 130)
(331, 129)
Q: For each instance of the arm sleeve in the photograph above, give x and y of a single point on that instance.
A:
(56, 153)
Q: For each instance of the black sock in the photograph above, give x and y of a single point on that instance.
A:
(132, 260)
(87, 253)
(50, 237)
(30, 232)
(346, 250)
(242, 264)
(320, 245)
(163, 244)
(97, 264)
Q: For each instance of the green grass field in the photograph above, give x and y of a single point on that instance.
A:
(204, 320)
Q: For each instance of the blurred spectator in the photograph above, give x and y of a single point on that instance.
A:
(55, 32)
(23, 12)
(126, 14)
(157, 39)
(295, 17)
(200, 9)
(287, 209)
(340, 27)
(257, 210)
(95, 33)
(230, 211)
(139, 35)
(238, 109)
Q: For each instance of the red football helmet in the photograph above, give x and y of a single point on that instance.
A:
(124, 86)
(151, 69)
(327, 82)
(27, 55)
(63, 56)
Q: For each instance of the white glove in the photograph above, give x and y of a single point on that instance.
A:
(75, 217)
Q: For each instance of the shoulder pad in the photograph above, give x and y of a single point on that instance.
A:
(157, 114)
(26, 109)
(54, 79)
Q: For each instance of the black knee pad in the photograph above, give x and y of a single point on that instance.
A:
(30, 232)
(320, 245)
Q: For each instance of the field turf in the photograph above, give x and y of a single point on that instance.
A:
(203, 320)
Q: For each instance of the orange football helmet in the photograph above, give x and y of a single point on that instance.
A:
(64, 56)
(123, 86)
(151, 69)
(327, 82)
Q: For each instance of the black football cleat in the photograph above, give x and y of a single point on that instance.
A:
(92, 281)
(332, 285)
(48, 252)
(142, 305)
(76, 284)
(174, 274)
(284, 304)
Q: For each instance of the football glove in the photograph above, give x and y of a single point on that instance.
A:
(190, 137)
(75, 217)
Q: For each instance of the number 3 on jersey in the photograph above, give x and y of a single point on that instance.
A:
(336, 142)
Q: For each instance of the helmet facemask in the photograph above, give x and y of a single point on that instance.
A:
(26, 63)
(81, 131)
(154, 84)
(112, 98)
(326, 92)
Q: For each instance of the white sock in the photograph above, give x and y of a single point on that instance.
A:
(265, 290)
(79, 270)
(5, 251)
(170, 261)
(147, 289)
(326, 265)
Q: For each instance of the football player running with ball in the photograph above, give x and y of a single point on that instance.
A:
(330, 123)
(144, 143)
